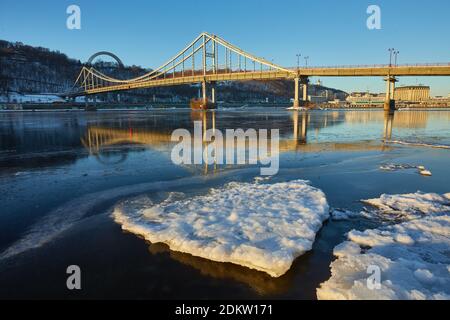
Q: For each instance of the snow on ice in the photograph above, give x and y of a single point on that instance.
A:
(413, 256)
(411, 204)
(259, 226)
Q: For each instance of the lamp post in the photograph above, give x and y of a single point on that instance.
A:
(391, 51)
(298, 55)
(306, 61)
(396, 56)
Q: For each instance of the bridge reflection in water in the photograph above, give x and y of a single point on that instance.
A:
(100, 139)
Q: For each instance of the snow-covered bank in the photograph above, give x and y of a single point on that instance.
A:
(259, 226)
(413, 256)
(31, 98)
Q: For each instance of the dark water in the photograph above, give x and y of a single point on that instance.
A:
(61, 173)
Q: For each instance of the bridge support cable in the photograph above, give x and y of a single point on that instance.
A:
(205, 48)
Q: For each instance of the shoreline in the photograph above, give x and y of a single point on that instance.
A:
(185, 106)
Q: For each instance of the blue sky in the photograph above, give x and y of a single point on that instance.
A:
(330, 32)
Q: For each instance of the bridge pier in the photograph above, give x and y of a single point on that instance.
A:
(303, 80)
(213, 92)
(88, 107)
(296, 93)
(204, 95)
(389, 103)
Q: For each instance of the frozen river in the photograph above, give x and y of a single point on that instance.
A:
(69, 182)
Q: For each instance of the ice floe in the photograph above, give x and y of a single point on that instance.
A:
(413, 259)
(412, 256)
(412, 204)
(343, 214)
(395, 167)
(425, 172)
(419, 144)
(259, 226)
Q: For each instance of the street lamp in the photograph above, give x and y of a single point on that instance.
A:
(391, 51)
(396, 55)
(306, 61)
(298, 55)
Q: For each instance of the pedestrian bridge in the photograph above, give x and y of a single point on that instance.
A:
(209, 59)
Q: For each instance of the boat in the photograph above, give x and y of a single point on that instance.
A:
(200, 104)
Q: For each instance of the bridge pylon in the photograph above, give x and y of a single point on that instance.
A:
(303, 80)
(389, 103)
(220, 61)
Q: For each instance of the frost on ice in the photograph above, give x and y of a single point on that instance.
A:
(413, 256)
(259, 226)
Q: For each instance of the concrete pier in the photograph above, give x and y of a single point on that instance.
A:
(296, 93)
(304, 82)
(204, 94)
(389, 103)
(213, 92)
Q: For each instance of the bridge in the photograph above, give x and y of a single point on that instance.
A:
(209, 59)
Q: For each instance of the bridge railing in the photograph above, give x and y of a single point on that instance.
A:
(437, 64)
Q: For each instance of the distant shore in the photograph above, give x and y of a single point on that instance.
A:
(182, 105)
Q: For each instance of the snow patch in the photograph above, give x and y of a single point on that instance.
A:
(426, 173)
(411, 205)
(413, 256)
(395, 167)
(343, 214)
(259, 226)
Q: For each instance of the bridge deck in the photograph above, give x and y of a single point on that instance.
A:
(419, 70)
(172, 81)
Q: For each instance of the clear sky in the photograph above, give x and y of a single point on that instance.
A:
(330, 32)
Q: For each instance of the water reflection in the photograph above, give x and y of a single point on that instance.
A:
(97, 139)
(300, 132)
(403, 119)
(388, 119)
(52, 138)
(259, 281)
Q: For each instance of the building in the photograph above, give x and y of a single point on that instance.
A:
(412, 93)
(365, 99)
(317, 99)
